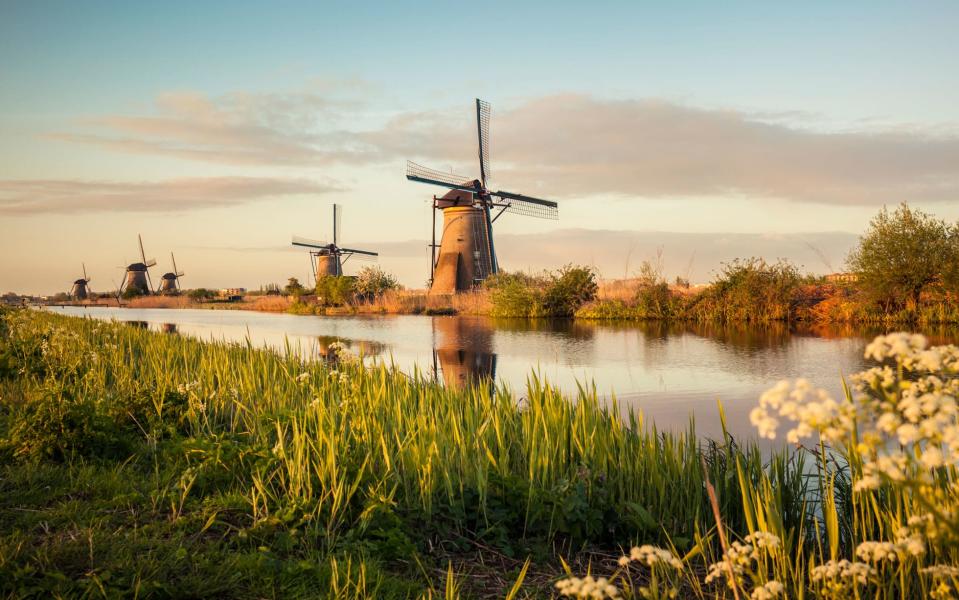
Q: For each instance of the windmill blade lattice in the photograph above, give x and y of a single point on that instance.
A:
(309, 243)
(418, 172)
(482, 129)
(528, 206)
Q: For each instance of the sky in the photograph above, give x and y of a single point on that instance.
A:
(698, 132)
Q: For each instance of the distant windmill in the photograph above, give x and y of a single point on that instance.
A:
(328, 259)
(81, 287)
(138, 274)
(466, 252)
(170, 282)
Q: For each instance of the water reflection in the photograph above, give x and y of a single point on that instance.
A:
(463, 350)
(137, 324)
(669, 371)
(169, 328)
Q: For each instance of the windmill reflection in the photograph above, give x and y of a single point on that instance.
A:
(463, 350)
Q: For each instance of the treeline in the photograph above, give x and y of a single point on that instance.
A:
(904, 269)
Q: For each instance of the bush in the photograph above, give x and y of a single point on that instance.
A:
(557, 294)
(751, 290)
(373, 281)
(655, 301)
(335, 290)
(568, 289)
(515, 295)
(201, 294)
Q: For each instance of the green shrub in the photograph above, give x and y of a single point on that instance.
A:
(372, 281)
(335, 290)
(557, 294)
(656, 301)
(201, 294)
(568, 289)
(750, 290)
(515, 295)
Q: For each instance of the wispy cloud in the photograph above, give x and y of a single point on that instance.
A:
(244, 129)
(562, 146)
(19, 197)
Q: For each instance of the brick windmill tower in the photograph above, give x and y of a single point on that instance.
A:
(170, 282)
(327, 258)
(467, 254)
(81, 287)
(138, 274)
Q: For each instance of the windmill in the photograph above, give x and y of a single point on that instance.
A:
(328, 259)
(81, 287)
(170, 282)
(466, 252)
(138, 274)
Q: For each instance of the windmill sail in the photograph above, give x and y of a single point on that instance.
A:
(482, 130)
(527, 205)
(416, 172)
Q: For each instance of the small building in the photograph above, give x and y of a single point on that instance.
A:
(842, 278)
(232, 294)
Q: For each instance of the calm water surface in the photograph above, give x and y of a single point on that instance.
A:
(670, 372)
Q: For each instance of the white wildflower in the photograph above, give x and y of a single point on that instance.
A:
(768, 591)
(841, 570)
(652, 556)
(587, 587)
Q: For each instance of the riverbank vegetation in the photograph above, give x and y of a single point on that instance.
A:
(138, 463)
(905, 270)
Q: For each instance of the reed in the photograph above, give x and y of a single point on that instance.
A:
(157, 301)
(125, 451)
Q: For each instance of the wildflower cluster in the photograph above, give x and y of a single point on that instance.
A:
(767, 591)
(910, 541)
(651, 556)
(742, 558)
(339, 352)
(664, 567)
(587, 587)
(945, 581)
(840, 578)
(809, 408)
(903, 420)
(900, 421)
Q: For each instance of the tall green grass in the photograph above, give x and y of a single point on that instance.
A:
(126, 451)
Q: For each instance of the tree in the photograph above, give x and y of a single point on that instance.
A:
(372, 281)
(293, 287)
(201, 294)
(902, 254)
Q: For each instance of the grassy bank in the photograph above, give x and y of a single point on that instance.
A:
(136, 463)
(137, 460)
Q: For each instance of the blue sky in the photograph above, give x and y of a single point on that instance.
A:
(106, 102)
